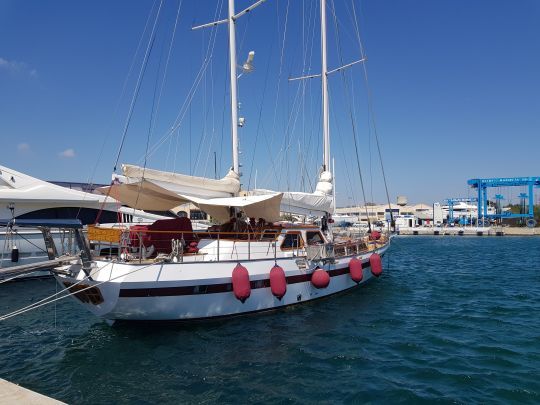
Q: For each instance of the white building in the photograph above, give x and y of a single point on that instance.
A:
(417, 214)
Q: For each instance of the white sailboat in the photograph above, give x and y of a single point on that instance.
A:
(232, 269)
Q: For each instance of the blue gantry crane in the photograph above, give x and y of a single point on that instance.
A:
(481, 185)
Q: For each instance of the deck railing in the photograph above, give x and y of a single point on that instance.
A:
(136, 244)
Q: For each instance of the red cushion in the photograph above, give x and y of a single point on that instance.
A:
(167, 229)
(135, 231)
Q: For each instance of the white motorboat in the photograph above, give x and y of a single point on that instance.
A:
(28, 198)
(168, 272)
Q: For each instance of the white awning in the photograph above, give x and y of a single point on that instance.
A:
(260, 206)
(147, 195)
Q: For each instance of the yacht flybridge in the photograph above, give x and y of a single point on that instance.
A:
(248, 262)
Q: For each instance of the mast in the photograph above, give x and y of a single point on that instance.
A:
(324, 77)
(234, 94)
(230, 21)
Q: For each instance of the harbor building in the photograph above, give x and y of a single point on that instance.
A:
(410, 215)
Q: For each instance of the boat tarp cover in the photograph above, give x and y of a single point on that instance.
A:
(147, 195)
(184, 184)
(21, 188)
(302, 203)
(144, 195)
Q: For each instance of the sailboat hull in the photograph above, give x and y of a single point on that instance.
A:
(131, 298)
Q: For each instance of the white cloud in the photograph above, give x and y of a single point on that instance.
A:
(16, 67)
(68, 153)
(23, 147)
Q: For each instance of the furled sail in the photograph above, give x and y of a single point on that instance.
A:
(317, 203)
(183, 184)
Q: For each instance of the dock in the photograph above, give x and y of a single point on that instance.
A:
(459, 231)
(15, 394)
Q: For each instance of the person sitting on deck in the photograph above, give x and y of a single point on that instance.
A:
(228, 227)
(252, 223)
(241, 227)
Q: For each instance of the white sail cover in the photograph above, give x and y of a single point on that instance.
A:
(183, 184)
(301, 203)
(314, 204)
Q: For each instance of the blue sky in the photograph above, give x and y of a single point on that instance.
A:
(455, 92)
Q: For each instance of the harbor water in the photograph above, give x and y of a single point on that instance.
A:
(453, 319)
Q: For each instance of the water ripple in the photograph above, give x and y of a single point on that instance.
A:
(452, 320)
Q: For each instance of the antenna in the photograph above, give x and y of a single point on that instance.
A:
(247, 67)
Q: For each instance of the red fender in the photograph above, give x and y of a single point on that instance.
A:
(355, 268)
(240, 282)
(376, 265)
(320, 278)
(278, 282)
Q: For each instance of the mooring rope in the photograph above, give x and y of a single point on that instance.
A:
(28, 307)
(43, 302)
(12, 278)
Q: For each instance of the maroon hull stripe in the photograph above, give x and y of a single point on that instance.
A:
(219, 288)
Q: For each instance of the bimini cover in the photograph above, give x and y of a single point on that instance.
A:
(183, 184)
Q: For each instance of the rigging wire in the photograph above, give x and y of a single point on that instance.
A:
(45, 300)
(226, 82)
(132, 106)
(138, 85)
(48, 300)
(260, 116)
(347, 93)
(280, 72)
(317, 145)
(90, 179)
(371, 110)
(213, 119)
(194, 87)
(150, 126)
(166, 69)
(340, 140)
(294, 113)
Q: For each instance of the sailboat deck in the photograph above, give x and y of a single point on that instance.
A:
(235, 246)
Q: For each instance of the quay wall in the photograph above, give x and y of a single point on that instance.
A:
(15, 394)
